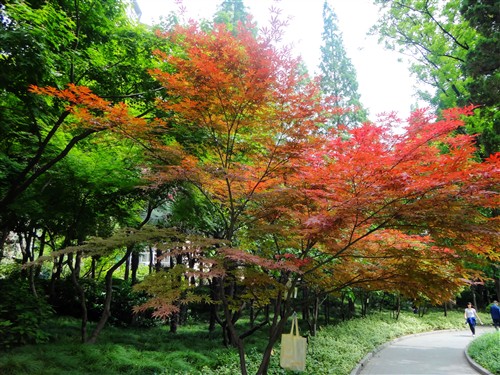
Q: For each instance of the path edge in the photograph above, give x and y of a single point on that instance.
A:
(473, 363)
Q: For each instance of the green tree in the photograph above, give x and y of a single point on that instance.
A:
(436, 39)
(453, 50)
(338, 75)
(57, 43)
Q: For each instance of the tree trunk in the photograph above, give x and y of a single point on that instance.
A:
(174, 322)
(41, 250)
(126, 276)
(134, 266)
(183, 314)
(326, 310)
(3, 238)
(313, 318)
(252, 315)
(365, 300)
(474, 299)
(398, 307)
(78, 264)
(83, 300)
(56, 275)
(276, 329)
(305, 306)
(213, 307)
(497, 287)
(151, 263)
(351, 308)
(93, 266)
(107, 301)
(25, 240)
(235, 339)
(158, 266)
(191, 264)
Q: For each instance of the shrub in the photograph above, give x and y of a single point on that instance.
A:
(66, 302)
(21, 314)
(485, 350)
(123, 302)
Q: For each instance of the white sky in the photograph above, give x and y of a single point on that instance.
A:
(384, 83)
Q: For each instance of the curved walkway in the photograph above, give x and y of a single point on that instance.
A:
(432, 353)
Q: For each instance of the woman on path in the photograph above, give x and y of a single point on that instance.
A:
(470, 316)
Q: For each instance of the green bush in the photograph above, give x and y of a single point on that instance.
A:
(21, 315)
(122, 304)
(485, 350)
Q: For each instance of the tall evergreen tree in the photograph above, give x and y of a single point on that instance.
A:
(231, 12)
(482, 66)
(338, 73)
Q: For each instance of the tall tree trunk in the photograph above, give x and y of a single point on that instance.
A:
(56, 275)
(93, 266)
(326, 310)
(365, 300)
(151, 263)
(305, 306)
(41, 250)
(497, 281)
(25, 245)
(313, 317)
(351, 307)
(398, 306)
(191, 264)
(83, 299)
(158, 265)
(3, 239)
(231, 329)
(474, 299)
(134, 265)
(78, 263)
(127, 269)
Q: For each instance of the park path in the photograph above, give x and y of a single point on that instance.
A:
(433, 353)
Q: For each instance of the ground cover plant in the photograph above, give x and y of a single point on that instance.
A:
(335, 350)
(485, 350)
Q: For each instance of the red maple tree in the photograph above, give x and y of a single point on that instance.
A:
(309, 207)
(360, 206)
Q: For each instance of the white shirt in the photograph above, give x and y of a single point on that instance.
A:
(470, 312)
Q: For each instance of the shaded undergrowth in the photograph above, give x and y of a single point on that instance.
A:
(335, 350)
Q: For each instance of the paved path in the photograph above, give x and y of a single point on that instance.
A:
(434, 353)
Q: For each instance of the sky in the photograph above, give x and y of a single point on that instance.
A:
(385, 83)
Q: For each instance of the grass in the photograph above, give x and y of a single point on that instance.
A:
(485, 350)
(192, 351)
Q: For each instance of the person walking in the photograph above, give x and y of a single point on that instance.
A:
(495, 315)
(470, 316)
